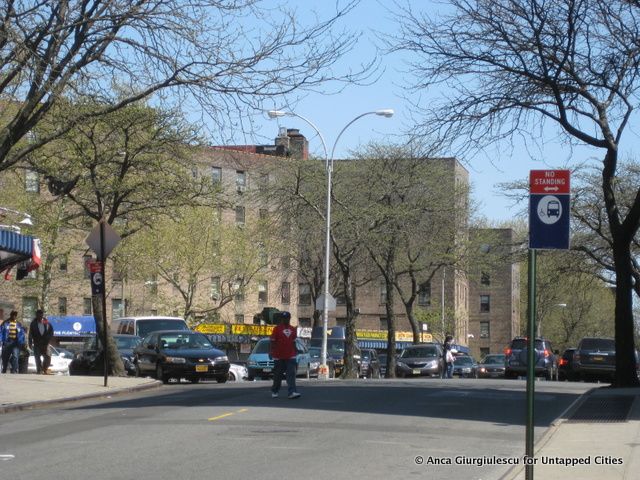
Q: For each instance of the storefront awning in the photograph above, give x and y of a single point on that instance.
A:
(17, 249)
(72, 325)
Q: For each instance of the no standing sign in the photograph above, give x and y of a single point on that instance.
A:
(549, 209)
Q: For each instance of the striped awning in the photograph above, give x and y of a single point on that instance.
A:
(14, 248)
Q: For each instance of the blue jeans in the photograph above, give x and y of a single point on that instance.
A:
(10, 352)
(288, 367)
(449, 370)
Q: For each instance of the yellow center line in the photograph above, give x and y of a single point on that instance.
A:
(242, 410)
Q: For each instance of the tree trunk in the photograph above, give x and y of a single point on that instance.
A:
(116, 367)
(351, 341)
(391, 321)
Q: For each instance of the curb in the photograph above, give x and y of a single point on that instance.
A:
(49, 403)
(516, 470)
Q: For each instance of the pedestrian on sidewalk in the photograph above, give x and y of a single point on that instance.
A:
(12, 338)
(448, 357)
(283, 351)
(40, 335)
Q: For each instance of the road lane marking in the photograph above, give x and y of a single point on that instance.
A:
(224, 415)
(7, 457)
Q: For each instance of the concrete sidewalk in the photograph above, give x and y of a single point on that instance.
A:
(24, 391)
(600, 435)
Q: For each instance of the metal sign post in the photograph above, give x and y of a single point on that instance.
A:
(549, 214)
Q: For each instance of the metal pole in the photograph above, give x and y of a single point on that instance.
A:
(442, 302)
(531, 329)
(327, 264)
(104, 306)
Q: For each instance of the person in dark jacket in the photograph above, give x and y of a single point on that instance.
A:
(12, 338)
(40, 335)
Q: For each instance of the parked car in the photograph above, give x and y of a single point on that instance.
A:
(237, 372)
(595, 359)
(260, 363)
(60, 360)
(465, 366)
(315, 357)
(180, 354)
(369, 363)
(492, 366)
(517, 359)
(420, 360)
(567, 367)
(87, 361)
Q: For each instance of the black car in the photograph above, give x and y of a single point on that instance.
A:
(492, 366)
(595, 359)
(180, 354)
(465, 366)
(566, 366)
(315, 355)
(369, 363)
(88, 362)
(517, 359)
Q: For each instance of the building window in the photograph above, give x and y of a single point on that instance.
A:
(384, 324)
(485, 303)
(239, 215)
(263, 213)
(383, 292)
(216, 175)
(87, 307)
(484, 330)
(62, 305)
(484, 351)
(238, 294)
(116, 308)
(285, 293)
(152, 284)
(286, 262)
(241, 180)
(32, 181)
(29, 307)
(64, 260)
(85, 261)
(263, 182)
(485, 279)
(341, 298)
(304, 322)
(215, 288)
(263, 292)
(424, 294)
(239, 318)
(304, 294)
(263, 257)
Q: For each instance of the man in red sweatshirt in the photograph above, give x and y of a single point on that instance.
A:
(283, 352)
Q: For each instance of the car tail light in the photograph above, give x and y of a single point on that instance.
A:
(563, 362)
(547, 353)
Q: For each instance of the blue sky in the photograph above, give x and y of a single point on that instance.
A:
(331, 112)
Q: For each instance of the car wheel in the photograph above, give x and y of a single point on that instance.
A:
(160, 374)
(231, 377)
(250, 378)
(308, 375)
(221, 379)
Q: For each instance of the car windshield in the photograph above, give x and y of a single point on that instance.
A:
(464, 361)
(493, 359)
(127, 342)
(145, 327)
(185, 340)
(605, 344)
(419, 352)
(315, 352)
(365, 356)
(263, 346)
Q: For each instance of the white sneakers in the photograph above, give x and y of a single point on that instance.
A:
(294, 395)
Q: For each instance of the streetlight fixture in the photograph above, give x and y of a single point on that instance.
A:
(387, 113)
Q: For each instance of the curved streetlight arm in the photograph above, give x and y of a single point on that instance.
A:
(376, 112)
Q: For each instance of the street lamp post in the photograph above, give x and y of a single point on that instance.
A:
(327, 252)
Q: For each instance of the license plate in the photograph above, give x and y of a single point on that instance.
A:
(202, 368)
(416, 371)
(266, 370)
(597, 359)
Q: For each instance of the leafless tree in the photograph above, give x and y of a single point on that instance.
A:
(518, 67)
(226, 55)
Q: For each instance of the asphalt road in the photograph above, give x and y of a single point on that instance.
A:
(366, 429)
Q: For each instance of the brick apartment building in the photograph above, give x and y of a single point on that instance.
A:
(241, 169)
